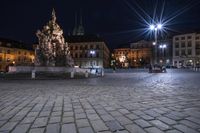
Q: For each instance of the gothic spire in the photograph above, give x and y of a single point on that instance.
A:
(54, 15)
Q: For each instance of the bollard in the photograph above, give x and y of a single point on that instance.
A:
(72, 74)
(33, 74)
(86, 74)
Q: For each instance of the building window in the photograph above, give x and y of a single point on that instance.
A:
(81, 47)
(19, 59)
(76, 55)
(97, 46)
(176, 45)
(183, 44)
(76, 47)
(183, 52)
(189, 44)
(97, 54)
(176, 38)
(86, 47)
(189, 52)
(1, 59)
(91, 47)
(25, 53)
(177, 53)
(182, 38)
(197, 45)
(1, 51)
(8, 51)
(198, 52)
(197, 37)
(85, 55)
(189, 37)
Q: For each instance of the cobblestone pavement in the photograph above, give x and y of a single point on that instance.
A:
(118, 103)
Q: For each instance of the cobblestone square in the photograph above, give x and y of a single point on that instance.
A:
(137, 102)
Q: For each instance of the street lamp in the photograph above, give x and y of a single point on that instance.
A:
(155, 28)
(163, 47)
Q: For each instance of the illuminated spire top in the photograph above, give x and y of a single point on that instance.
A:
(53, 15)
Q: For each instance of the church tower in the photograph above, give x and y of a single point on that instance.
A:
(78, 29)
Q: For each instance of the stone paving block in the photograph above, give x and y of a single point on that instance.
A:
(98, 126)
(123, 131)
(132, 116)
(185, 129)
(174, 117)
(193, 119)
(167, 120)
(107, 117)
(21, 128)
(2, 123)
(58, 113)
(55, 119)
(91, 111)
(152, 113)
(142, 123)
(68, 120)
(160, 125)
(68, 114)
(80, 116)
(37, 130)
(53, 128)
(93, 117)
(153, 130)
(32, 114)
(101, 111)
(82, 123)
(124, 111)
(44, 114)
(147, 117)
(77, 111)
(114, 125)
(17, 118)
(68, 128)
(133, 128)
(40, 122)
(190, 124)
(115, 113)
(8, 126)
(123, 120)
(86, 130)
(28, 120)
(173, 131)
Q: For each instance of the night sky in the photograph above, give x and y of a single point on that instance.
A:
(117, 21)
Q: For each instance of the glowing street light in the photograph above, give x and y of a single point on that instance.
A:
(155, 28)
(163, 46)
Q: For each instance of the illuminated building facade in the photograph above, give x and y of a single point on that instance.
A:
(14, 53)
(89, 51)
(136, 56)
(186, 50)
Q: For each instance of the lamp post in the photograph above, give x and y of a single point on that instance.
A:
(163, 47)
(155, 28)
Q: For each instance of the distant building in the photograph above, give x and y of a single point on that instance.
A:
(186, 50)
(14, 53)
(89, 51)
(138, 55)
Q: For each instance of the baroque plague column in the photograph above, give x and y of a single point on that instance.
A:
(52, 49)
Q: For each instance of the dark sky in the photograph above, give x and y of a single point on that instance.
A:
(116, 21)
